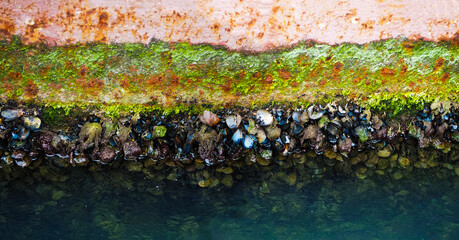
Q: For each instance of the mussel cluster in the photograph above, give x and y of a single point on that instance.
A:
(17, 128)
(194, 142)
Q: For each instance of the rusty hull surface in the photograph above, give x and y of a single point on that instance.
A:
(237, 24)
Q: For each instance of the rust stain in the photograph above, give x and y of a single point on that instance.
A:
(7, 28)
(31, 89)
(368, 25)
(284, 74)
(387, 72)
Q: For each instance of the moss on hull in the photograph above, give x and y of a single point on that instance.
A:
(392, 75)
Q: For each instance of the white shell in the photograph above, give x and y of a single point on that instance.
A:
(233, 121)
(314, 115)
(264, 117)
(249, 140)
(237, 136)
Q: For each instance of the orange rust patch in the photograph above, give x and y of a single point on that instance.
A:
(91, 86)
(102, 27)
(404, 69)
(444, 78)
(322, 82)
(227, 85)
(385, 19)
(83, 71)
(439, 63)
(268, 79)
(455, 38)
(284, 74)
(154, 80)
(31, 89)
(260, 35)
(387, 72)
(408, 45)
(33, 29)
(14, 75)
(337, 67)
(174, 80)
(251, 23)
(368, 25)
(7, 27)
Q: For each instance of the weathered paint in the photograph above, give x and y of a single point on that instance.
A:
(236, 24)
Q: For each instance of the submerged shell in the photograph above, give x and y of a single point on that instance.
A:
(233, 121)
(209, 118)
(264, 117)
(237, 136)
(315, 113)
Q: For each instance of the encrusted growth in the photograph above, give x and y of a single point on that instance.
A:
(394, 74)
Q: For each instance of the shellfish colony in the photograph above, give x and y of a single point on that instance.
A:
(216, 148)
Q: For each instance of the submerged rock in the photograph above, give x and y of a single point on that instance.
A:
(45, 141)
(107, 154)
(131, 150)
(33, 123)
(385, 152)
(11, 114)
(345, 144)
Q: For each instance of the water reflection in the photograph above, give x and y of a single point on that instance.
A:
(121, 205)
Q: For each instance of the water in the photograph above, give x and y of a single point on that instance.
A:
(121, 205)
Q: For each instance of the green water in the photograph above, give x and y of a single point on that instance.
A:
(121, 205)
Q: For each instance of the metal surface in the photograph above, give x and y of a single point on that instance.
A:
(236, 24)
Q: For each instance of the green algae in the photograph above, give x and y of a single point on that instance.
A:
(394, 74)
